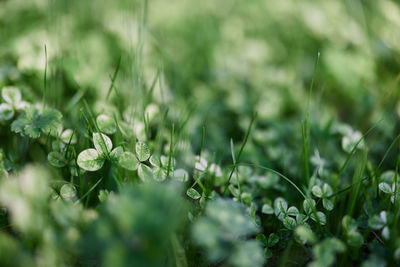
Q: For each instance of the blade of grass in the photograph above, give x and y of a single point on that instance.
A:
(241, 149)
(113, 78)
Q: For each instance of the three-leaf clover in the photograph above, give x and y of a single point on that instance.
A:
(93, 159)
(133, 162)
(391, 190)
(381, 221)
(203, 166)
(285, 213)
(353, 237)
(164, 165)
(311, 212)
(272, 240)
(13, 101)
(324, 193)
(350, 138)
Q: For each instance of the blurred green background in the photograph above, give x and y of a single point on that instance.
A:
(224, 60)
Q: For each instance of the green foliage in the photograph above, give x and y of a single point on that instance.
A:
(139, 222)
(198, 133)
(222, 233)
(32, 122)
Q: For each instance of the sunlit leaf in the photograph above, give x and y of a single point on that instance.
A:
(142, 151)
(68, 136)
(319, 217)
(317, 191)
(106, 124)
(90, 160)
(145, 173)
(128, 161)
(11, 95)
(116, 153)
(289, 222)
(385, 188)
(181, 175)
(327, 203)
(102, 143)
(193, 194)
(32, 122)
(6, 112)
(68, 192)
(267, 209)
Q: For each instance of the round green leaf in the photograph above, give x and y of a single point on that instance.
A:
(106, 124)
(102, 143)
(142, 151)
(90, 160)
(385, 188)
(159, 174)
(165, 162)
(305, 234)
(308, 206)
(155, 161)
(103, 194)
(272, 240)
(327, 203)
(349, 224)
(292, 211)
(375, 222)
(145, 173)
(317, 191)
(280, 206)
(6, 112)
(181, 175)
(327, 190)
(354, 239)
(68, 136)
(128, 161)
(267, 209)
(267, 253)
(319, 217)
(193, 194)
(116, 152)
(11, 95)
(56, 159)
(68, 192)
(289, 223)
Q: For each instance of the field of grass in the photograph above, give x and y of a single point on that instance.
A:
(199, 133)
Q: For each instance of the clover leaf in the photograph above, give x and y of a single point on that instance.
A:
(145, 173)
(102, 143)
(13, 101)
(142, 151)
(391, 190)
(34, 122)
(381, 221)
(57, 159)
(324, 193)
(353, 237)
(128, 161)
(68, 192)
(106, 124)
(11, 95)
(93, 159)
(68, 136)
(90, 160)
(6, 111)
(193, 194)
